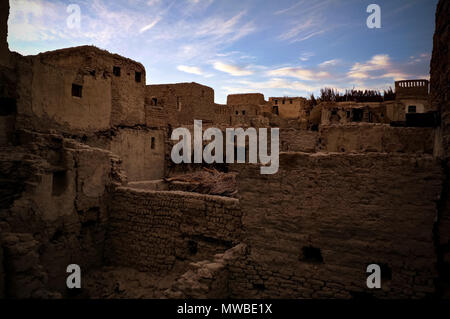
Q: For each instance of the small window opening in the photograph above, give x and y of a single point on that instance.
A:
(8, 106)
(283, 101)
(243, 112)
(275, 110)
(276, 101)
(77, 90)
(312, 254)
(59, 183)
(153, 143)
(357, 115)
(138, 77)
(290, 101)
(154, 101)
(192, 247)
(116, 71)
(412, 109)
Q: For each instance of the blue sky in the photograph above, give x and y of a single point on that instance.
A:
(277, 48)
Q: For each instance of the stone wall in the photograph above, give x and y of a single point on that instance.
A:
(313, 227)
(365, 137)
(150, 230)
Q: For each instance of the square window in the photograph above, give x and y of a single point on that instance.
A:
(77, 90)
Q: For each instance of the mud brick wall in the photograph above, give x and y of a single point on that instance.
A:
(313, 227)
(4, 51)
(295, 140)
(367, 137)
(440, 92)
(149, 230)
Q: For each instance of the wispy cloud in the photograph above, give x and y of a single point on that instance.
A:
(331, 62)
(190, 69)
(149, 26)
(379, 66)
(232, 69)
(305, 56)
(300, 73)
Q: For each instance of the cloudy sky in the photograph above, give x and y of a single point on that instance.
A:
(278, 48)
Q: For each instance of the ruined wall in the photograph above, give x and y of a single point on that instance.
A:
(4, 50)
(289, 107)
(439, 96)
(142, 152)
(295, 140)
(53, 211)
(365, 137)
(52, 100)
(440, 71)
(149, 230)
(111, 92)
(246, 99)
(347, 112)
(179, 104)
(313, 227)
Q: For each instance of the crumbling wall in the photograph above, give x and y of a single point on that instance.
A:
(4, 50)
(179, 104)
(313, 227)
(53, 212)
(142, 152)
(207, 278)
(290, 107)
(83, 89)
(52, 99)
(296, 140)
(367, 137)
(150, 230)
(439, 96)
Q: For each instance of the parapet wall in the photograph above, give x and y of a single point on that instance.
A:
(313, 227)
(150, 230)
(411, 88)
